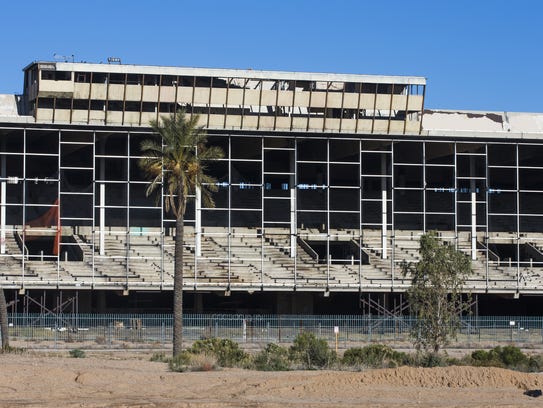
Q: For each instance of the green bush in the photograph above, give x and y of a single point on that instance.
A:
(374, 356)
(159, 357)
(77, 353)
(311, 352)
(535, 363)
(431, 360)
(180, 363)
(512, 357)
(227, 352)
(505, 357)
(272, 358)
(203, 362)
(483, 358)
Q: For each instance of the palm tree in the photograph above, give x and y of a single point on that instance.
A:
(4, 320)
(175, 163)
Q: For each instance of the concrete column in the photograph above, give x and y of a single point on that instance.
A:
(383, 208)
(198, 223)
(102, 224)
(3, 205)
(473, 225)
(292, 223)
(473, 193)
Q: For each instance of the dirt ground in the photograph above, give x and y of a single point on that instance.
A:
(131, 380)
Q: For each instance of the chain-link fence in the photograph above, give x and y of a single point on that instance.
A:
(155, 330)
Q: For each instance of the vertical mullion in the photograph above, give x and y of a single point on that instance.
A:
(360, 230)
(142, 86)
(124, 98)
(424, 187)
(328, 84)
(261, 82)
(374, 107)
(390, 107)
(456, 196)
(229, 237)
(107, 98)
(408, 92)
(93, 243)
(518, 216)
(209, 101)
(486, 217)
(24, 208)
(328, 264)
(262, 203)
(341, 109)
(296, 207)
(58, 205)
(89, 98)
(127, 207)
(393, 230)
(293, 106)
(226, 102)
(422, 108)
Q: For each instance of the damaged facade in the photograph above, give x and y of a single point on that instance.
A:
(327, 182)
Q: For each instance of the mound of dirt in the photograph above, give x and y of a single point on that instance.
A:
(132, 381)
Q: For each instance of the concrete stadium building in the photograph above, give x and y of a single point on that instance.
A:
(327, 182)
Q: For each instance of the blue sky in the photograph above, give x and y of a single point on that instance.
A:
(476, 54)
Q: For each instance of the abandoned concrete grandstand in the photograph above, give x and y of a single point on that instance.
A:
(327, 182)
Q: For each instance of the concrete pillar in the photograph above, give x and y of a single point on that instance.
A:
(198, 223)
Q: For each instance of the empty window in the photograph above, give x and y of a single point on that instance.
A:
(56, 75)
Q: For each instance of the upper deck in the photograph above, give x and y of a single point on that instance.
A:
(133, 95)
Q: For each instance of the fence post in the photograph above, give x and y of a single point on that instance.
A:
(244, 332)
(163, 333)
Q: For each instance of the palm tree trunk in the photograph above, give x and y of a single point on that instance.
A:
(178, 286)
(4, 320)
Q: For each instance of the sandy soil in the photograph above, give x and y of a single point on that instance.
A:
(113, 380)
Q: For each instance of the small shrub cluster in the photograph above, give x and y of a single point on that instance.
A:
(227, 352)
(12, 350)
(187, 361)
(506, 357)
(374, 356)
(272, 358)
(159, 357)
(180, 363)
(311, 352)
(77, 353)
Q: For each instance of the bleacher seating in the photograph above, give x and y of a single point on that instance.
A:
(248, 259)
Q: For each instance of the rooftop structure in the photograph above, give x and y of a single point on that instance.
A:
(81, 93)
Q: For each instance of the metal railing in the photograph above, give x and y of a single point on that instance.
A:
(155, 330)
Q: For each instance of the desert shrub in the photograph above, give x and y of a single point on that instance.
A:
(374, 356)
(535, 363)
(180, 363)
(12, 350)
(227, 352)
(483, 358)
(311, 352)
(187, 361)
(272, 358)
(77, 353)
(203, 362)
(159, 357)
(506, 357)
(512, 357)
(430, 360)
